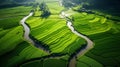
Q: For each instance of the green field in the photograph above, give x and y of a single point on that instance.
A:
(105, 34)
(54, 33)
(12, 43)
(53, 30)
(10, 31)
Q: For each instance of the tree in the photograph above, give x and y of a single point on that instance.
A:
(35, 6)
(44, 10)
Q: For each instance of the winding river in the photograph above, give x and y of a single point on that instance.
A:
(89, 45)
(82, 52)
(27, 32)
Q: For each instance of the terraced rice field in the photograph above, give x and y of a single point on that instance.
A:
(53, 30)
(54, 33)
(13, 47)
(105, 34)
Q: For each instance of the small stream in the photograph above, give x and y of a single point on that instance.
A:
(90, 44)
(73, 59)
(27, 32)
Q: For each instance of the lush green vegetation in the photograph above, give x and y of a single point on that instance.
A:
(22, 52)
(105, 33)
(53, 32)
(90, 23)
(13, 47)
(10, 17)
(10, 31)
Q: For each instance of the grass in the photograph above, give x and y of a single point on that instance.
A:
(88, 62)
(105, 34)
(10, 22)
(23, 51)
(54, 8)
(13, 49)
(10, 31)
(8, 41)
(15, 11)
(47, 63)
(10, 17)
(3, 32)
(91, 24)
(52, 30)
(106, 49)
(16, 51)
